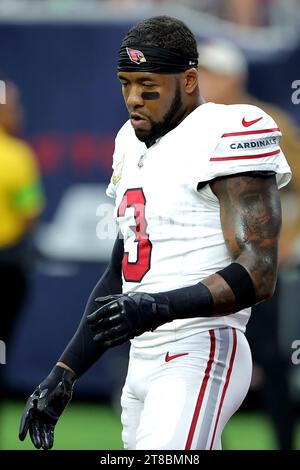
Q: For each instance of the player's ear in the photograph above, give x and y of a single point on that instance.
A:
(190, 80)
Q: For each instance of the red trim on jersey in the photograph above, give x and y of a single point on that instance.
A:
(244, 157)
(226, 385)
(260, 131)
(202, 390)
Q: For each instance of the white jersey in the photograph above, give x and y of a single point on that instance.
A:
(168, 214)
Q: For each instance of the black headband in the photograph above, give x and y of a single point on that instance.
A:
(153, 59)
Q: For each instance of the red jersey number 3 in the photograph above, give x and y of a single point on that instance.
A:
(136, 270)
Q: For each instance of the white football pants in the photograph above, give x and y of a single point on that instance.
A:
(181, 395)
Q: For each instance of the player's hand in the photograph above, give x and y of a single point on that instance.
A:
(124, 316)
(44, 407)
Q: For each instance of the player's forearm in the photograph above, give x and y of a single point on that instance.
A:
(243, 283)
(262, 272)
(121, 318)
(82, 352)
(224, 301)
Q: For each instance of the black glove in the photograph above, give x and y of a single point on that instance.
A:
(44, 407)
(123, 316)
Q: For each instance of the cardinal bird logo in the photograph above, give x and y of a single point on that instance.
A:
(135, 56)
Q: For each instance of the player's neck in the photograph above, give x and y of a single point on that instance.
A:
(177, 119)
(188, 110)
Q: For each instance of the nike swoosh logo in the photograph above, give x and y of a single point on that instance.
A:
(170, 358)
(249, 123)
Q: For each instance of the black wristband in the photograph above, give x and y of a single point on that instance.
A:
(240, 282)
(189, 302)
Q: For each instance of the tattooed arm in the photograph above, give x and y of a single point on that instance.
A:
(251, 219)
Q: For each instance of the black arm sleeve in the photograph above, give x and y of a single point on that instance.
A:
(82, 352)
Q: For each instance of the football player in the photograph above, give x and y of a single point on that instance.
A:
(196, 201)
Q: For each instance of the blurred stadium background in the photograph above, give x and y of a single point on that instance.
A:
(62, 55)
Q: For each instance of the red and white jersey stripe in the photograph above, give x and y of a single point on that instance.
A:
(213, 389)
(250, 141)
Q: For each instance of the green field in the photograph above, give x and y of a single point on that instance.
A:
(94, 426)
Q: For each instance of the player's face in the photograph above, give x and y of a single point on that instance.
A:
(154, 103)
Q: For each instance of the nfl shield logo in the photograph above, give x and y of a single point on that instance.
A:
(135, 56)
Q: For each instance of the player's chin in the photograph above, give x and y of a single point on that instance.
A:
(142, 135)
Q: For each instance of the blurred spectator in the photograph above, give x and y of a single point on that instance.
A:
(21, 202)
(245, 13)
(249, 13)
(223, 79)
(129, 3)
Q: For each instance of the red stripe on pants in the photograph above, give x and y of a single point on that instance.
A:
(225, 385)
(202, 390)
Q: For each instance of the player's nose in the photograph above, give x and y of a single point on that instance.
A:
(134, 98)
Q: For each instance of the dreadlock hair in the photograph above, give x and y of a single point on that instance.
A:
(164, 32)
